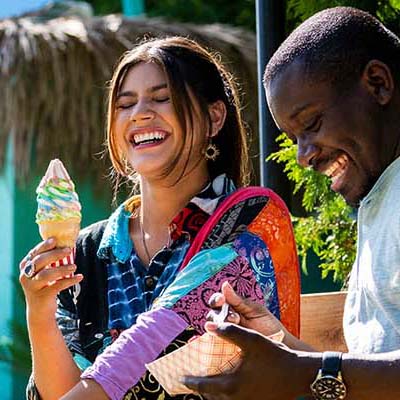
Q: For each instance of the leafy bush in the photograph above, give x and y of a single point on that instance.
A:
(15, 349)
(388, 11)
(330, 228)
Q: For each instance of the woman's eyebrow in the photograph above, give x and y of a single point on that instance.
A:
(129, 93)
(158, 87)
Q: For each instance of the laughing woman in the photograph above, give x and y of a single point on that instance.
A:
(175, 129)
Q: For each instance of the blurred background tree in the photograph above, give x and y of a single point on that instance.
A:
(242, 12)
(388, 11)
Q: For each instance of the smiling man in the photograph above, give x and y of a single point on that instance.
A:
(334, 87)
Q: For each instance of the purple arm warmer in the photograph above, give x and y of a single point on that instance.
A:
(123, 363)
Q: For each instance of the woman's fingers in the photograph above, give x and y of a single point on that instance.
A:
(42, 260)
(64, 283)
(36, 272)
(46, 277)
(41, 247)
(53, 282)
(52, 274)
(46, 293)
(42, 255)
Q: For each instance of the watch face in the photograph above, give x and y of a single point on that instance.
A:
(329, 388)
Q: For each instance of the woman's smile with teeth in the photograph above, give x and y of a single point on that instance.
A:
(149, 137)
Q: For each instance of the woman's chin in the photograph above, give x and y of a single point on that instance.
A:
(150, 168)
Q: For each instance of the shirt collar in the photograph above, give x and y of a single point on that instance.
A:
(383, 182)
(116, 240)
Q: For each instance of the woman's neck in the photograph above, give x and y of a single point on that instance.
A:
(161, 202)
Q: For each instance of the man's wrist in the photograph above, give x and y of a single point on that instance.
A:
(307, 365)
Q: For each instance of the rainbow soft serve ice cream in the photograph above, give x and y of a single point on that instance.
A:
(59, 210)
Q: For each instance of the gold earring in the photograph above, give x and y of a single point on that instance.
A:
(211, 152)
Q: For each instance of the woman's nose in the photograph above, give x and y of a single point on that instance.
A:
(306, 152)
(142, 112)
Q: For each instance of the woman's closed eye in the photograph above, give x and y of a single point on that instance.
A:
(125, 105)
(162, 99)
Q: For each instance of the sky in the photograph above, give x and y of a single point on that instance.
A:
(10, 8)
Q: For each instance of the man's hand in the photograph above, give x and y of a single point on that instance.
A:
(254, 316)
(269, 370)
(245, 312)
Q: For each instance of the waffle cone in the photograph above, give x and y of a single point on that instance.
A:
(66, 232)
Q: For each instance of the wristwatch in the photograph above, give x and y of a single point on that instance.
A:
(328, 384)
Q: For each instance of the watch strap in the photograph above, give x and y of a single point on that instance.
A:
(331, 363)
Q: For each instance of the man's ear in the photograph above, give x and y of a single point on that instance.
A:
(217, 112)
(378, 80)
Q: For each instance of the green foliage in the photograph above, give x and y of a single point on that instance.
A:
(239, 13)
(233, 12)
(387, 11)
(242, 12)
(14, 347)
(330, 229)
(16, 350)
(103, 7)
(302, 9)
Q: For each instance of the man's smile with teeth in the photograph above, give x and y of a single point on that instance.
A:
(148, 137)
(337, 168)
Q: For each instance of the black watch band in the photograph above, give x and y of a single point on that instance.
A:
(331, 363)
(329, 385)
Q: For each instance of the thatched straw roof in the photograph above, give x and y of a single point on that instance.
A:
(53, 76)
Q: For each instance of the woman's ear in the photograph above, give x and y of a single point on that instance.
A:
(378, 80)
(217, 112)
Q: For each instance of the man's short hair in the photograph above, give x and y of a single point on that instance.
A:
(335, 45)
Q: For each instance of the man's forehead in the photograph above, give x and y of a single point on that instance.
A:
(287, 85)
(295, 84)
